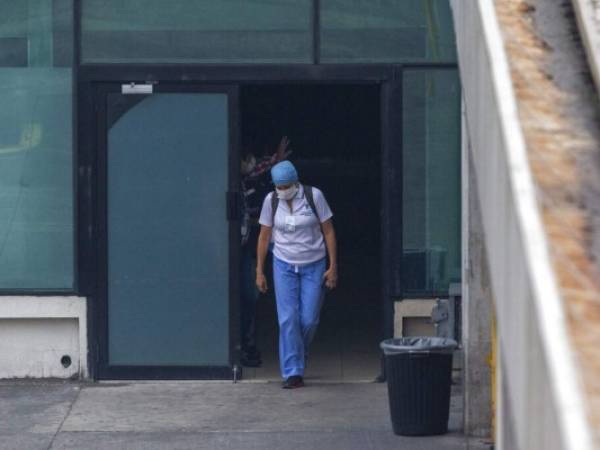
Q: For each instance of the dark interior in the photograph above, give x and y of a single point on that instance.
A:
(335, 137)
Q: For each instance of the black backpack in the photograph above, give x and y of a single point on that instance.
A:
(308, 193)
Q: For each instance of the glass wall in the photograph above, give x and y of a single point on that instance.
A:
(431, 181)
(36, 182)
(206, 31)
(386, 31)
(36, 97)
(266, 31)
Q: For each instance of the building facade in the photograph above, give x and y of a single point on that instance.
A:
(120, 139)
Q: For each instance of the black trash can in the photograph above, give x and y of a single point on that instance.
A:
(419, 375)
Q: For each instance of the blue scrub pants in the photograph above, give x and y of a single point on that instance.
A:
(299, 293)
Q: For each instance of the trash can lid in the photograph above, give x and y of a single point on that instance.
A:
(418, 344)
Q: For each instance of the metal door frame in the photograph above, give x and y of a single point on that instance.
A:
(90, 191)
(96, 177)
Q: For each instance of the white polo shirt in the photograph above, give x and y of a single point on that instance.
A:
(297, 233)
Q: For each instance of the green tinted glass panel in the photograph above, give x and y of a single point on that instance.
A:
(223, 31)
(36, 181)
(431, 180)
(168, 245)
(386, 31)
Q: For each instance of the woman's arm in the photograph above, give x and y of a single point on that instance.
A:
(331, 274)
(261, 255)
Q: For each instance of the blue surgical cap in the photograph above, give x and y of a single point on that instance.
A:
(284, 173)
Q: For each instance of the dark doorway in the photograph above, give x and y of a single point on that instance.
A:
(335, 137)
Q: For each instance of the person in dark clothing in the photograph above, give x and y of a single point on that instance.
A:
(256, 184)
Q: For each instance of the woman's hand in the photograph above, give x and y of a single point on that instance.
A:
(282, 149)
(264, 238)
(261, 283)
(331, 277)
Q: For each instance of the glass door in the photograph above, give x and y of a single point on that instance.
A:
(167, 161)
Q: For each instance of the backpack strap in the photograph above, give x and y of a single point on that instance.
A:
(274, 205)
(308, 193)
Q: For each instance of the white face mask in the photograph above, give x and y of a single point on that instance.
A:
(248, 164)
(287, 194)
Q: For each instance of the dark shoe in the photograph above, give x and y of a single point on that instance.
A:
(293, 382)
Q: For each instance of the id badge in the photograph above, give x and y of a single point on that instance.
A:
(290, 224)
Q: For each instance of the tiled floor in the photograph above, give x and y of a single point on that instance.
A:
(345, 347)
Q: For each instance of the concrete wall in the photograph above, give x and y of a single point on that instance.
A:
(477, 310)
(588, 21)
(413, 309)
(540, 398)
(43, 337)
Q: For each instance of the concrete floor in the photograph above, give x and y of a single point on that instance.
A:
(207, 415)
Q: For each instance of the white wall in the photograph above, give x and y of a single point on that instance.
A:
(35, 334)
(541, 395)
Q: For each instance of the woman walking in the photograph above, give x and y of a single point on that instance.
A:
(297, 219)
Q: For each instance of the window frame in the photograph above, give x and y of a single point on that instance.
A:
(83, 74)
